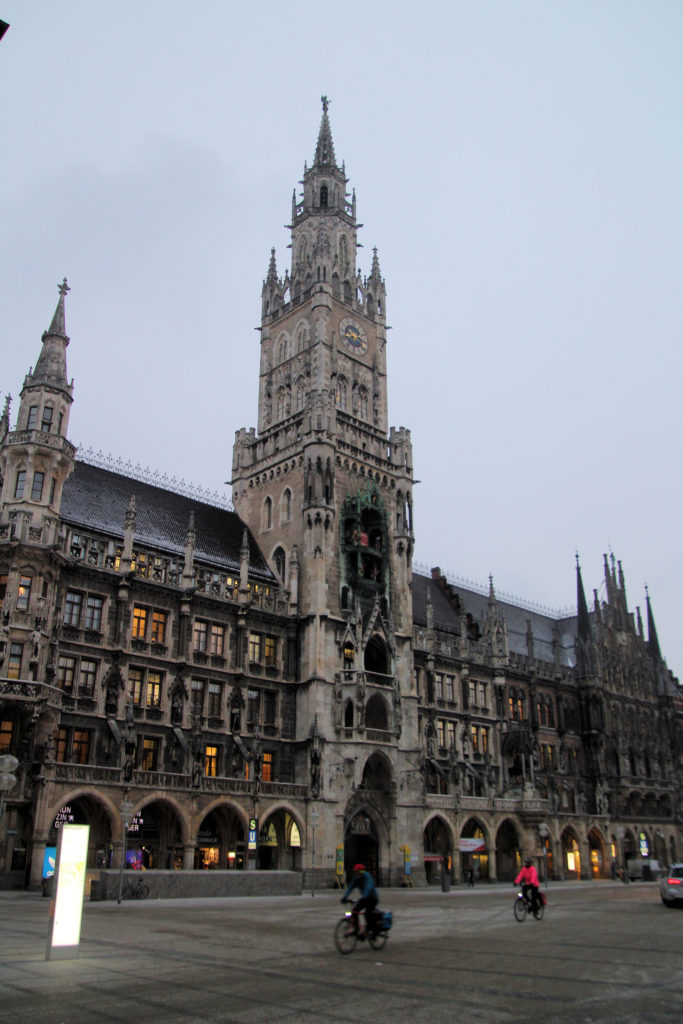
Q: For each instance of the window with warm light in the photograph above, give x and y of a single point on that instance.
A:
(158, 627)
(136, 678)
(267, 768)
(154, 689)
(16, 652)
(6, 732)
(139, 623)
(211, 761)
(150, 754)
(270, 651)
(81, 746)
(24, 592)
(255, 647)
(217, 640)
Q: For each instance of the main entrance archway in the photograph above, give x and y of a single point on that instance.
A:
(86, 810)
(361, 844)
(474, 855)
(279, 843)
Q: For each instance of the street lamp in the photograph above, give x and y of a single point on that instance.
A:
(314, 819)
(126, 818)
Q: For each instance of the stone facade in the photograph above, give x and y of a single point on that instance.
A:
(248, 685)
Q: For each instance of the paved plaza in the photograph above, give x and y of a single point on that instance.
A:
(605, 952)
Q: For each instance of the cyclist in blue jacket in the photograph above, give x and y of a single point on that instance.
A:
(364, 882)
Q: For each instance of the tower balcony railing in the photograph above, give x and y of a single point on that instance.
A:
(44, 438)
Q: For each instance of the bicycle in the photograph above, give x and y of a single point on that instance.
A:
(347, 932)
(137, 891)
(523, 905)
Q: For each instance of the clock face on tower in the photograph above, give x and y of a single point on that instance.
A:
(353, 336)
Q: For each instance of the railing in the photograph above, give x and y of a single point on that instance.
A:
(379, 735)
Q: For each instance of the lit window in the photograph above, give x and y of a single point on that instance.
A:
(159, 627)
(211, 761)
(217, 640)
(6, 729)
(37, 489)
(441, 732)
(139, 622)
(254, 647)
(81, 746)
(65, 672)
(14, 666)
(20, 484)
(150, 749)
(24, 592)
(271, 650)
(93, 612)
(62, 744)
(267, 768)
(136, 680)
(484, 741)
(201, 632)
(153, 689)
(475, 738)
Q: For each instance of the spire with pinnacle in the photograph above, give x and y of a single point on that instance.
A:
(583, 621)
(324, 151)
(652, 638)
(51, 366)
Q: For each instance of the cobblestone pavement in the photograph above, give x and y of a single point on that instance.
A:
(605, 952)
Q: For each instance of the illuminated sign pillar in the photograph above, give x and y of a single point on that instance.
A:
(66, 905)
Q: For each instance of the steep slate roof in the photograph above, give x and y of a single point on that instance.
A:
(542, 626)
(97, 499)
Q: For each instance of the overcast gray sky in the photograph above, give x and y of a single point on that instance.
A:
(517, 164)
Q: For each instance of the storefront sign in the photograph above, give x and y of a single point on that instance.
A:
(64, 816)
(473, 845)
(340, 861)
(66, 906)
(49, 859)
(253, 833)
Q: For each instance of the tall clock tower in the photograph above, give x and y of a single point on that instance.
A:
(324, 484)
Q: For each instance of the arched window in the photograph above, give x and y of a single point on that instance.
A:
(281, 403)
(344, 255)
(340, 393)
(282, 350)
(363, 404)
(286, 505)
(267, 514)
(280, 562)
(348, 715)
(323, 195)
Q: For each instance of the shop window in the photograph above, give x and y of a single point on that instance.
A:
(6, 733)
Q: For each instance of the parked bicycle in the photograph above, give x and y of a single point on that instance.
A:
(524, 905)
(137, 891)
(348, 931)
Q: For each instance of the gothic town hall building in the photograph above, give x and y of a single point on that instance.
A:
(282, 661)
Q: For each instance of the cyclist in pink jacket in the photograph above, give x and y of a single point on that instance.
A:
(528, 879)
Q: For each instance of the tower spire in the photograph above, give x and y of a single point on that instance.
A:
(324, 151)
(51, 366)
(652, 638)
(583, 622)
